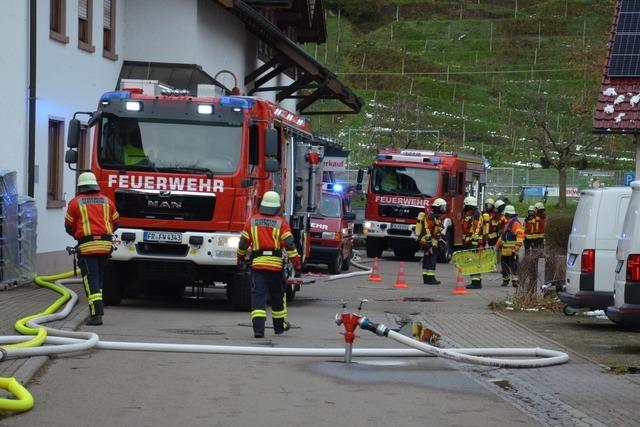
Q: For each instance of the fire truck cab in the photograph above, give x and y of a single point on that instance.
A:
(403, 183)
(185, 173)
(332, 230)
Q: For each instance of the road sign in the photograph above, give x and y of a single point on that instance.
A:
(628, 177)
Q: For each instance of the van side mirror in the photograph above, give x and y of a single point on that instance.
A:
(271, 165)
(73, 134)
(271, 143)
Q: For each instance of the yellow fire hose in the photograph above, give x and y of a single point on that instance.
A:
(24, 399)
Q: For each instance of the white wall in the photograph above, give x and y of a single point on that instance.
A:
(68, 80)
(14, 57)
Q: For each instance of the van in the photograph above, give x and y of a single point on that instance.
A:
(332, 231)
(625, 309)
(591, 252)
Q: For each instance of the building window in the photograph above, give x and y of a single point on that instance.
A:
(84, 151)
(58, 21)
(109, 30)
(55, 176)
(85, 27)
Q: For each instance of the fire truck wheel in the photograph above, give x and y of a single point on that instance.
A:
(374, 247)
(347, 262)
(239, 292)
(113, 283)
(336, 266)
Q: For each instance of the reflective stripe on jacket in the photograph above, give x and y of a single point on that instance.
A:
(91, 219)
(541, 220)
(511, 238)
(491, 227)
(471, 226)
(429, 226)
(530, 227)
(266, 236)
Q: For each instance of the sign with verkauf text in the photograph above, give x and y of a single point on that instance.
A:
(334, 164)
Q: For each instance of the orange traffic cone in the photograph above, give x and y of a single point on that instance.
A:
(459, 289)
(401, 283)
(375, 272)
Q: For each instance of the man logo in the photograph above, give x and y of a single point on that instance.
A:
(164, 204)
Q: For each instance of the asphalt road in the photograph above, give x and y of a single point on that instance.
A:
(115, 388)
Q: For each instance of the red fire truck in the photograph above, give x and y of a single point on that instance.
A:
(403, 182)
(185, 173)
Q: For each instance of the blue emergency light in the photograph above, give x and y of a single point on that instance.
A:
(337, 188)
(118, 94)
(230, 101)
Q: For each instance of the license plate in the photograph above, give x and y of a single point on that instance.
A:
(161, 236)
(401, 226)
(619, 266)
(572, 260)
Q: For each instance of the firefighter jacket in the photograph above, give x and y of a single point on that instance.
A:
(541, 219)
(491, 223)
(531, 227)
(91, 219)
(267, 236)
(472, 227)
(511, 238)
(429, 228)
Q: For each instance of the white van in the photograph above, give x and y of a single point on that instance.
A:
(625, 309)
(591, 252)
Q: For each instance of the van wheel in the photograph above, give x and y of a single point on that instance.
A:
(336, 266)
(347, 262)
(374, 247)
(113, 283)
(568, 311)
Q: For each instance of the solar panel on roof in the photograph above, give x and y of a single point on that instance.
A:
(625, 54)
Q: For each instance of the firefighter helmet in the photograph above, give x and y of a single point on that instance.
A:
(490, 202)
(510, 210)
(539, 206)
(471, 201)
(531, 208)
(439, 202)
(270, 204)
(87, 182)
(499, 203)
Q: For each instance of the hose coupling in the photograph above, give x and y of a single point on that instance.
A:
(3, 354)
(338, 319)
(376, 328)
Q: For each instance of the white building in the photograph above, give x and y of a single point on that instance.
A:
(78, 49)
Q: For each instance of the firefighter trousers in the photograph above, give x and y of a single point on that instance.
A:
(476, 279)
(429, 263)
(92, 269)
(263, 283)
(509, 264)
(529, 244)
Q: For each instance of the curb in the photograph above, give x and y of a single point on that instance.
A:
(32, 365)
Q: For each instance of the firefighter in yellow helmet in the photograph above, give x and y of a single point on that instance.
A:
(511, 239)
(268, 236)
(91, 219)
(489, 223)
(541, 218)
(530, 229)
(429, 228)
(472, 233)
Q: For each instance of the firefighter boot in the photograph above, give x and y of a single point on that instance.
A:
(430, 280)
(280, 326)
(475, 284)
(94, 320)
(505, 282)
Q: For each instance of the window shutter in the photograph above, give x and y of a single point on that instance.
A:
(107, 15)
(83, 9)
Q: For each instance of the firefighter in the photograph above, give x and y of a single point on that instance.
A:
(268, 235)
(429, 228)
(530, 230)
(541, 218)
(91, 219)
(511, 239)
(490, 222)
(472, 233)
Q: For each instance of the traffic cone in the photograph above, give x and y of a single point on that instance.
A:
(459, 289)
(400, 282)
(375, 272)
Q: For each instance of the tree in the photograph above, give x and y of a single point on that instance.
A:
(561, 153)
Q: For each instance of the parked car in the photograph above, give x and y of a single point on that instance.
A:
(625, 309)
(591, 254)
(332, 232)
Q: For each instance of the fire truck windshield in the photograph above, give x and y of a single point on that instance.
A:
(161, 145)
(405, 181)
(330, 206)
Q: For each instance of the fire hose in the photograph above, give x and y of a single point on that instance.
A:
(50, 341)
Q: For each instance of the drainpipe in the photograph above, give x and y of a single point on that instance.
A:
(32, 100)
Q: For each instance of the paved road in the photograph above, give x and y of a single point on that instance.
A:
(152, 389)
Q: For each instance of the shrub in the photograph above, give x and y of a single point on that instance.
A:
(557, 231)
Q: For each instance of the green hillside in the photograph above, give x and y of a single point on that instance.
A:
(477, 72)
